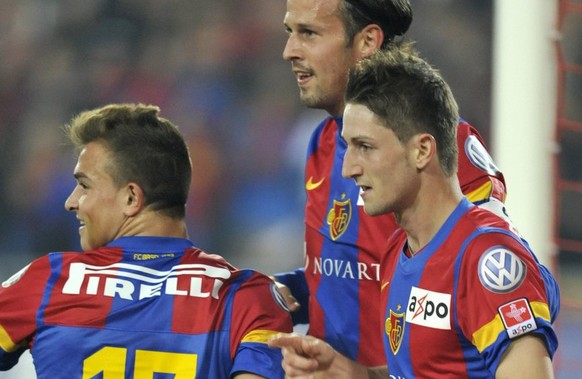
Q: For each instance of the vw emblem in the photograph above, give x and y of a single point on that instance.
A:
(479, 156)
(500, 270)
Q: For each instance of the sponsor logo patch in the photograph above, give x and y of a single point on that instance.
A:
(278, 296)
(135, 282)
(500, 270)
(429, 308)
(479, 157)
(517, 317)
(311, 185)
(339, 217)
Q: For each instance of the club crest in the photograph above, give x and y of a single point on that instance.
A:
(339, 217)
(394, 327)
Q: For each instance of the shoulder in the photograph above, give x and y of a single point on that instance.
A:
(212, 259)
(326, 129)
(494, 251)
(473, 148)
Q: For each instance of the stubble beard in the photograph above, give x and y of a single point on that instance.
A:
(316, 100)
(310, 100)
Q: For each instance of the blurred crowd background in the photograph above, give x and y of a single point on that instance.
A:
(214, 67)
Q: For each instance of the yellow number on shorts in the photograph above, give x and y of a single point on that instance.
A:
(111, 362)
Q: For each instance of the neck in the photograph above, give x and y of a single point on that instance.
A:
(428, 213)
(152, 223)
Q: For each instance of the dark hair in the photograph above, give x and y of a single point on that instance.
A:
(409, 96)
(145, 148)
(393, 16)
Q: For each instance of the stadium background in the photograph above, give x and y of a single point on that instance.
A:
(215, 68)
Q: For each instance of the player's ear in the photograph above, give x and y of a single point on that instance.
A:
(424, 149)
(134, 199)
(369, 40)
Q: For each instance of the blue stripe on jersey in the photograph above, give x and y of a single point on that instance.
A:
(178, 352)
(229, 302)
(56, 264)
(338, 256)
(146, 311)
(408, 273)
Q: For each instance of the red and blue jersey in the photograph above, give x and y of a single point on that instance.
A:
(456, 305)
(140, 307)
(339, 286)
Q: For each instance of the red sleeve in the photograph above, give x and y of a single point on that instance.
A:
(479, 177)
(260, 311)
(498, 271)
(20, 298)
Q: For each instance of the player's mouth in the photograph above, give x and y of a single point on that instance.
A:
(303, 77)
(81, 224)
(364, 190)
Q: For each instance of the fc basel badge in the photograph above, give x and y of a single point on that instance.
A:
(339, 217)
(395, 330)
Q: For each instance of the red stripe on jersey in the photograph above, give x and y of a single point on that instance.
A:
(316, 170)
(373, 236)
(59, 311)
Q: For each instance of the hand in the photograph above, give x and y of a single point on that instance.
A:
(303, 356)
(291, 301)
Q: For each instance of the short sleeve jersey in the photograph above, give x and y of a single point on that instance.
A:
(141, 307)
(455, 306)
(343, 245)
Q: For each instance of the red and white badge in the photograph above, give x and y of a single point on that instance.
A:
(517, 317)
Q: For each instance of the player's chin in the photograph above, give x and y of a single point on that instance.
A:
(85, 242)
(371, 209)
(84, 245)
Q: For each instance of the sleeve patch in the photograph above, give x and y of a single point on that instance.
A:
(278, 297)
(479, 156)
(517, 317)
(501, 270)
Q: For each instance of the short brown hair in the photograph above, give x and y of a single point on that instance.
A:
(393, 16)
(409, 96)
(145, 148)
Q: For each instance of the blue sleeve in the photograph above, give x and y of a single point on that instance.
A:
(258, 359)
(296, 282)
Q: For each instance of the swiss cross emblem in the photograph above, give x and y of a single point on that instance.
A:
(339, 217)
(517, 317)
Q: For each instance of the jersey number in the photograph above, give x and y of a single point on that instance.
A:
(111, 362)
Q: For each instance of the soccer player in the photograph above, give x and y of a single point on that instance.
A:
(462, 295)
(338, 289)
(140, 300)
